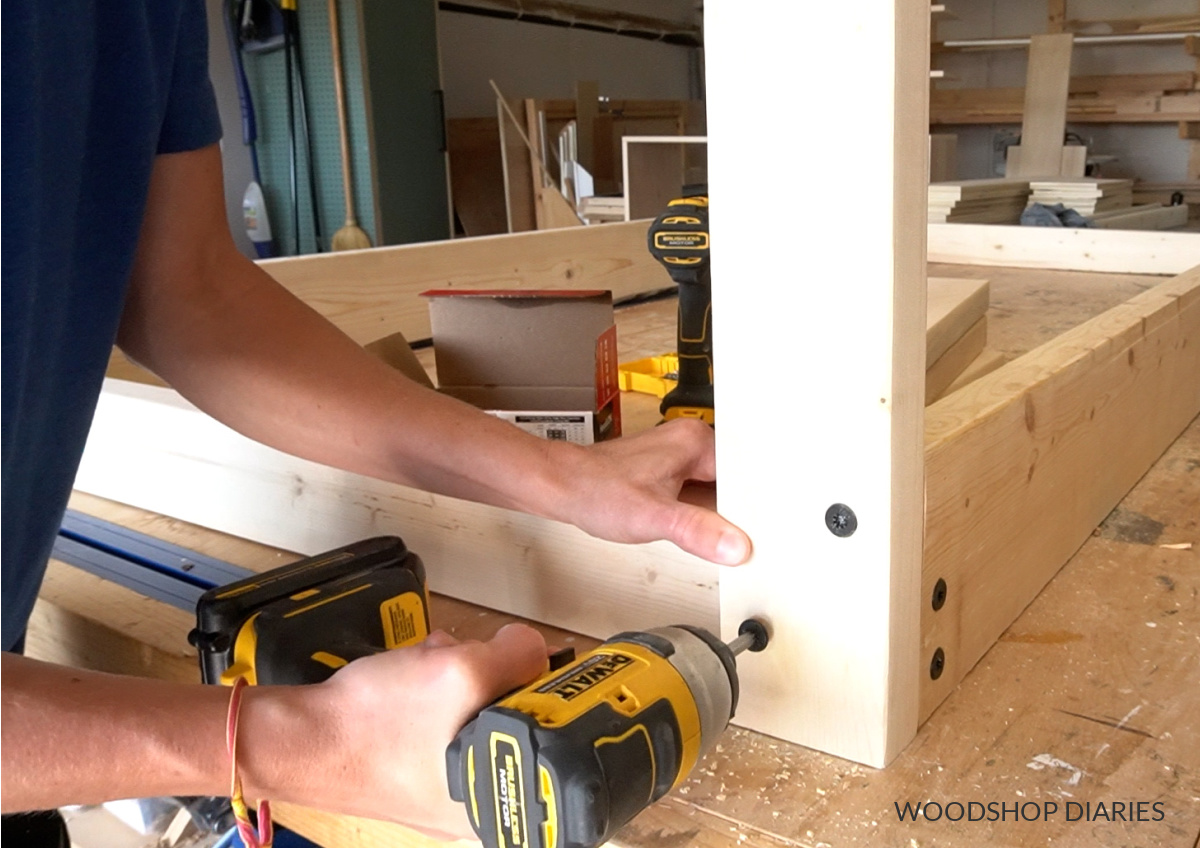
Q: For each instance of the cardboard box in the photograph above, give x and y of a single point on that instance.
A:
(546, 360)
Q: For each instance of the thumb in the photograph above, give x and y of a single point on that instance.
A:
(514, 656)
(706, 534)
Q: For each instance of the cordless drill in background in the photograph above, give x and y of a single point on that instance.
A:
(679, 239)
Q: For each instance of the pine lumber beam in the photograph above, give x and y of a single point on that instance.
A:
(986, 362)
(1045, 114)
(1133, 83)
(955, 360)
(85, 621)
(841, 608)
(953, 306)
(150, 448)
(1004, 105)
(1148, 217)
(1154, 83)
(1066, 249)
(1024, 463)
(1056, 14)
(519, 208)
(1072, 160)
(372, 294)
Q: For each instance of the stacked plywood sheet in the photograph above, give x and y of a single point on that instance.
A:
(995, 201)
(598, 210)
(1150, 216)
(956, 333)
(1085, 195)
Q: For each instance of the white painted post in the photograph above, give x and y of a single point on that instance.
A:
(818, 124)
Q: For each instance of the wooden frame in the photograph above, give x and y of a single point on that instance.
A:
(855, 636)
(999, 457)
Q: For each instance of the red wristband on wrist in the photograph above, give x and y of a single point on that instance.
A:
(264, 835)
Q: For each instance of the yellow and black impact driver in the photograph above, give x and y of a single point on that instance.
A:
(567, 760)
(560, 763)
(679, 239)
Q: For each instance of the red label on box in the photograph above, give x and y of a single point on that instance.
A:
(608, 387)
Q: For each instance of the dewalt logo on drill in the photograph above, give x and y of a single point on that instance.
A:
(580, 678)
(681, 240)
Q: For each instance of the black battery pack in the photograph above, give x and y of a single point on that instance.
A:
(301, 622)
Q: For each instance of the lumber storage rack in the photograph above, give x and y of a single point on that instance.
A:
(964, 509)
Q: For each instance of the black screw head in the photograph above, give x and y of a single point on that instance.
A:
(841, 520)
(938, 664)
(939, 594)
(761, 635)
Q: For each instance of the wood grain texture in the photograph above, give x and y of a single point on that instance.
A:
(1081, 653)
(955, 360)
(861, 353)
(557, 211)
(1111, 639)
(1072, 161)
(371, 294)
(1024, 463)
(986, 362)
(953, 306)
(1081, 660)
(987, 201)
(1030, 308)
(83, 621)
(146, 441)
(1148, 217)
(1067, 249)
(1045, 117)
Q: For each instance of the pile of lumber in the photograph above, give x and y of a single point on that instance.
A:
(956, 335)
(994, 201)
(1167, 193)
(599, 210)
(1165, 97)
(1085, 195)
(1148, 216)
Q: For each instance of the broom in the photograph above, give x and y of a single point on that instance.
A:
(350, 236)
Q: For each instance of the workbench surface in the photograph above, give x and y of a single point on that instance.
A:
(1091, 696)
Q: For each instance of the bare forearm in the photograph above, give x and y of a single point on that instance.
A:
(258, 359)
(370, 741)
(78, 737)
(245, 350)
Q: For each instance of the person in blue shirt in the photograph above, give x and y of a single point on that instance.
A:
(114, 230)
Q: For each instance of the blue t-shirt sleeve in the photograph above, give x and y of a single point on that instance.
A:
(191, 120)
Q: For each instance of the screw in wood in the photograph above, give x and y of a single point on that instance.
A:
(938, 664)
(939, 594)
(841, 520)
